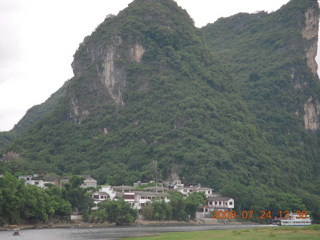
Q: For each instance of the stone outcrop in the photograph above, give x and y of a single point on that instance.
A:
(136, 52)
(76, 114)
(310, 33)
(112, 77)
(311, 114)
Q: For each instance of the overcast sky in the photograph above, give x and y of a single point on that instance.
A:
(39, 37)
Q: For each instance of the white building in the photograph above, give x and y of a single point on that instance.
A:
(220, 203)
(89, 182)
(143, 199)
(27, 178)
(123, 188)
(197, 188)
(136, 199)
(39, 181)
(104, 193)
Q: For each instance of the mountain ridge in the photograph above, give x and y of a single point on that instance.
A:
(217, 105)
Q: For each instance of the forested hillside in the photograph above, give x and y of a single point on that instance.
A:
(232, 106)
(271, 57)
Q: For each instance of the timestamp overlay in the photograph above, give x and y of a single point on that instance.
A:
(263, 214)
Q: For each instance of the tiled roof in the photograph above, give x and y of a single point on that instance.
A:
(212, 198)
(151, 194)
(123, 187)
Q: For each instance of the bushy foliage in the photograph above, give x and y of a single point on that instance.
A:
(27, 203)
(265, 54)
(118, 211)
(179, 208)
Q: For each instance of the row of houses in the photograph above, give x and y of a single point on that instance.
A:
(44, 181)
(138, 199)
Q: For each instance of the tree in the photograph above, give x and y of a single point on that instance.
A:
(10, 199)
(157, 210)
(80, 200)
(178, 206)
(193, 202)
(118, 211)
(62, 207)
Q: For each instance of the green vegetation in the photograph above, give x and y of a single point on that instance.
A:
(308, 233)
(265, 54)
(20, 203)
(118, 211)
(235, 125)
(179, 208)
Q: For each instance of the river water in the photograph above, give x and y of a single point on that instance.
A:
(108, 233)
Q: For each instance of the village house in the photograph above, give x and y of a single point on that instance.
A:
(123, 188)
(140, 199)
(27, 178)
(143, 199)
(156, 189)
(220, 203)
(136, 199)
(88, 182)
(195, 188)
(39, 181)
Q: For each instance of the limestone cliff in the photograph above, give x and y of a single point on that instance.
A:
(108, 75)
(312, 113)
(310, 34)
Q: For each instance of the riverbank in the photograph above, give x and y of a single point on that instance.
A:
(139, 222)
(119, 232)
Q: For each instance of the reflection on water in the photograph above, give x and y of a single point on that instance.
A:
(109, 233)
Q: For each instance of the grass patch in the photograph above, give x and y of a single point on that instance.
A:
(281, 233)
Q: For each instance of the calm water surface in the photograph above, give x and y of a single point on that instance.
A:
(109, 232)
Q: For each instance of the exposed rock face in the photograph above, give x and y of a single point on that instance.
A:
(311, 114)
(310, 33)
(10, 156)
(76, 113)
(112, 77)
(136, 52)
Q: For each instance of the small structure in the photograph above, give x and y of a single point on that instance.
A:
(220, 203)
(39, 181)
(104, 193)
(27, 178)
(195, 188)
(143, 199)
(156, 189)
(123, 188)
(89, 182)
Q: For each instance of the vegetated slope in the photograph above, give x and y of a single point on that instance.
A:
(272, 57)
(146, 88)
